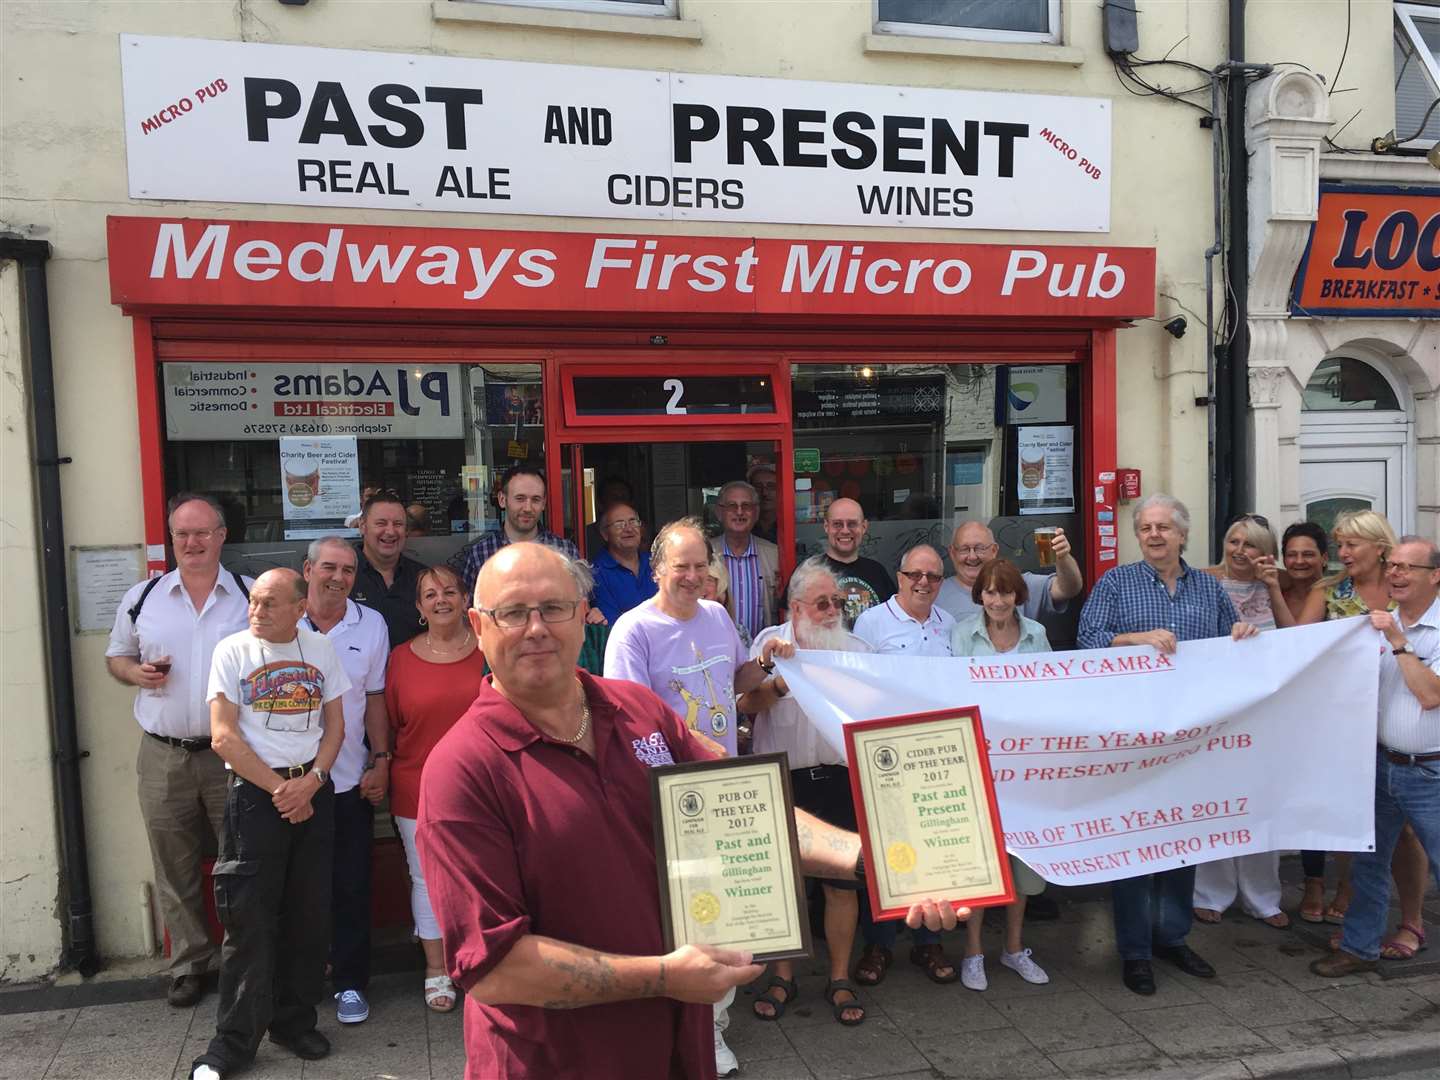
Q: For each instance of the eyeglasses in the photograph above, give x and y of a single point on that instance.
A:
(825, 603)
(1408, 567)
(918, 576)
(184, 536)
(973, 549)
(517, 616)
(843, 526)
(737, 505)
(624, 523)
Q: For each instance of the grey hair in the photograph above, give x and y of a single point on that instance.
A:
(180, 498)
(660, 546)
(1178, 513)
(580, 573)
(312, 553)
(742, 485)
(922, 547)
(805, 573)
(1430, 545)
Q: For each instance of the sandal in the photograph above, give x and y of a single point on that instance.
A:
(1280, 921)
(1207, 915)
(437, 987)
(874, 962)
(777, 1004)
(1334, 913)
(932, 958)
(844, 986)
(1398, 950)
(1312, 905)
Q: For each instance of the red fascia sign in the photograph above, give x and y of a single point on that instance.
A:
(168, 262)
(1373, 251)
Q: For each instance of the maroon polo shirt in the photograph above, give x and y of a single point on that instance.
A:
(519, 835)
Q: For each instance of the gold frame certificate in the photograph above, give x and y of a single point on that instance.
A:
(925, 803)
(727, 856)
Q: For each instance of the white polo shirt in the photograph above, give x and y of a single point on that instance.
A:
(887, 629)
(784, 726)
(1404, 725)
(362, 642)
(170, 621)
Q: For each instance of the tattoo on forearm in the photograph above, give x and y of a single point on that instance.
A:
(586, 979)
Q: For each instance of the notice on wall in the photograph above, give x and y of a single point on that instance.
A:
(100, 577)
(1036, 395)
(267, 401)
(319, 481)
(243, 122)
(1046, 457)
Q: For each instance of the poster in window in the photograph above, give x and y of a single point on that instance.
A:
(1036, 394)
(319, 481)
(1046, 466)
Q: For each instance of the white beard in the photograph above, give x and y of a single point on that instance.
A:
(826, 638)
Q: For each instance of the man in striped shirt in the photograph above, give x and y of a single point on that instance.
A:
(1407, 765)
(752, 562)
(522, 497)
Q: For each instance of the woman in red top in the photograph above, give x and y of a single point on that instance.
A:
(430, 683)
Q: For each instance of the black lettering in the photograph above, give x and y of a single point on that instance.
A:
(382, 104)
(734, 192)
(610, 185)
(896, 142)
(318, 121)
(683, 121)
(944, 143)
(260, 109)
(847, 128)
(794, 137)
(311, 172)
(1005, 136)
(739, 134)
(1392, 251)
(455, 99)
(1347, 257)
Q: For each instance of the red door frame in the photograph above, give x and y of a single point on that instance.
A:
(1091, 348)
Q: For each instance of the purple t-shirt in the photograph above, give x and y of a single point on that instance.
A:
(691, 665)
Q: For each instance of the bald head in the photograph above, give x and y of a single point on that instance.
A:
(972, 546)
(528, 559)
(845, 529)
(280, 578)
(277, 600)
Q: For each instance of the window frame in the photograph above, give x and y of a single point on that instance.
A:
(666, 9)
(1055, 35)
(1405, 15)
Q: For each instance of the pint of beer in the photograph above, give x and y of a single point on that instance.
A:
(1044, 539)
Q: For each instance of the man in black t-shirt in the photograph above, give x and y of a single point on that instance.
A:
(863, 582)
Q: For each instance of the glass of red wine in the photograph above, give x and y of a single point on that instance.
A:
(158, 658)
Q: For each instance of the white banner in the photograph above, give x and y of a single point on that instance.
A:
(235, 122)
(1113, 763)
(268, 401)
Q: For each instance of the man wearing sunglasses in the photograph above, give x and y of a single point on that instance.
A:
(910, 623)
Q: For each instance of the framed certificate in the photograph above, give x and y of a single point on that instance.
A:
(925, 803)
(727, 857)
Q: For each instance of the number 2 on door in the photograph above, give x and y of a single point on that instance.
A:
(677, 391)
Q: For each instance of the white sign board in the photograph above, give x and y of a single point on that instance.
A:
(319, 479)
(267, 401)
(235, 122)
(100, 577)
(1046, 457)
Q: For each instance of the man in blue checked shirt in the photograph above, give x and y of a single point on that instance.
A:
(521, 495)
(1160, 601)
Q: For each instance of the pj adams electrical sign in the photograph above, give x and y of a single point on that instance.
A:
(224, 122)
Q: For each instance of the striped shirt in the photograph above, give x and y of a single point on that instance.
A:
(747, 586)
(1132, 599)
(467, 561)
(1404, 725)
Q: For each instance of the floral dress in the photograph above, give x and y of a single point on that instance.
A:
(1343, 600)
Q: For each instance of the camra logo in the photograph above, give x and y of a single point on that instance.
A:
(885, 758)
(691, 803)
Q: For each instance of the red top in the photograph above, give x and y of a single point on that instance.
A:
(521, 835)
(424, 699)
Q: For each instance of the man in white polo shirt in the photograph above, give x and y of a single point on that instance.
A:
(910, 623)
(1407, 765)
(361, 776)
(276, 718)
(177, 620)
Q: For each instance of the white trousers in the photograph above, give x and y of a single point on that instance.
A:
(426, 925)
(1254, 878)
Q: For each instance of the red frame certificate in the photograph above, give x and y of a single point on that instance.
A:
(925, 804)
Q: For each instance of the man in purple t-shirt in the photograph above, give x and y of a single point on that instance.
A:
(687, 651)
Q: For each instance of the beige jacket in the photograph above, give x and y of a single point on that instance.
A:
(769, 556)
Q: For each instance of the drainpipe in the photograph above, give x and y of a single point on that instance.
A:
(80, 954)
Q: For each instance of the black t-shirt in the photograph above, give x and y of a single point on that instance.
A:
(395, 603)
(864, 583)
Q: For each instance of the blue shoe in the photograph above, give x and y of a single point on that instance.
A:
(351, 1007)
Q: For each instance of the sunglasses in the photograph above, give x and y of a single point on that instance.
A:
(825, 603)
(923, 575)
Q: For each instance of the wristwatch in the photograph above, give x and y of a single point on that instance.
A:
(768, 669)
(380, 755)
(322, 774)
(1401, 650)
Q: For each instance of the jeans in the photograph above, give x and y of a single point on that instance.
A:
(1153, 910)
(272, 890)
(350, 890)
(1402, 793)
(1313, 863)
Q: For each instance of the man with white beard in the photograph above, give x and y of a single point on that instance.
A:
(818, 776)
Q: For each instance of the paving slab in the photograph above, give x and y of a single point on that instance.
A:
(1318, 1064)
(1197, 1033)
(1127, 1059)
(1069, 1021)
(921, 1009)
(1370, 1003)
(988, 1055)
(1311, 1033)
(875, 1048)
(1247, 994)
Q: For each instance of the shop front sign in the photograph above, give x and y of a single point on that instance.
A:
(301, 265)
(237, 122)
(1373, 251)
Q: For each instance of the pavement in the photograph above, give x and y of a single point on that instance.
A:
(1265, 1015)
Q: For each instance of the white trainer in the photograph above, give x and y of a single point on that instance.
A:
(204, 1072)
(972, 973)
(726, 1063)
(1022, 965)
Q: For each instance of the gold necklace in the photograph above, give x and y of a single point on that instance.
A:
(584, 720)
(440, 652)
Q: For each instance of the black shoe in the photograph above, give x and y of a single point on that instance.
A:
(1186, 959)
(310, 1045)
(1042, 908)
(185, 990)
(1139, 977)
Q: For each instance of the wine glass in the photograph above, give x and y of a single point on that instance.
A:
(158, 657)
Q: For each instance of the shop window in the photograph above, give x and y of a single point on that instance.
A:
(654, 8)
(1417, 72)
(923, 448)
(984, 20)
(1341, 384)
(290, 448)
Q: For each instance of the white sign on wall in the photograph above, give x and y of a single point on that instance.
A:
(221, 121)
(268, 401)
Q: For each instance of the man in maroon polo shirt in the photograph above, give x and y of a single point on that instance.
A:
(535, 833)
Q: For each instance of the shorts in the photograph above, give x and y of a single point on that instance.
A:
(1027, 882)
(825, 792)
